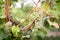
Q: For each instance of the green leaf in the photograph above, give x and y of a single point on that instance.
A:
(3, 33)
(15, 30)
(58, 6)
(55, 13)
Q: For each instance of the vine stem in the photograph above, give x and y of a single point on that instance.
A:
(7, 7)
(32, 10)
(36, 3)
(29, 25)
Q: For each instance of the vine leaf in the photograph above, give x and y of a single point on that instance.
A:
(15, 30)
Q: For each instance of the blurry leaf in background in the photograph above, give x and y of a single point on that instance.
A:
(2, 21)
(18, 14)
(3, 33)
(14, 10)
(1, 2)
(15, 0)
(58, 5)
(45, 6)
(1, 12)
(27, 8)
(55, 13)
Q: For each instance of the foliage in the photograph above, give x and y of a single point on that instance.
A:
(39, 21)
(15, 31)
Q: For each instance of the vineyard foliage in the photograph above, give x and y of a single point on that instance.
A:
(29, 22)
